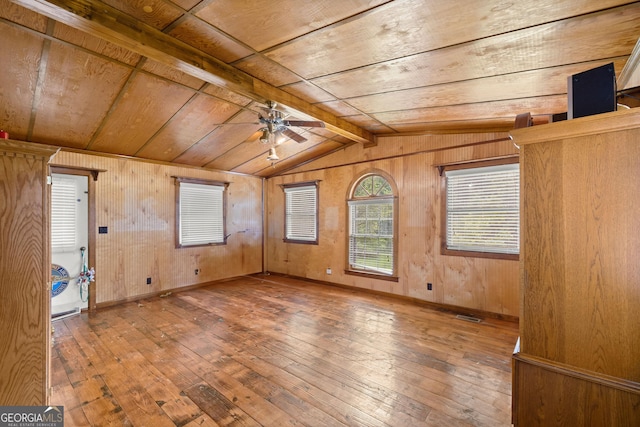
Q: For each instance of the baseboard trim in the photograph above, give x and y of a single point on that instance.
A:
(433, 305)
(154, 294)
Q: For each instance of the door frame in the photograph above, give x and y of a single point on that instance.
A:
(92, 177)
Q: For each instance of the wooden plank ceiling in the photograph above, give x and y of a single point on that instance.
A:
(183, 81)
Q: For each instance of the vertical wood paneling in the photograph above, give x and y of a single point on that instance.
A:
(25, 271)
(418, 219)
(136, 201)
(601, 207)
(477, 283)
(541, 310)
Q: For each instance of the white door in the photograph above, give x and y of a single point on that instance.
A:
(69, 242)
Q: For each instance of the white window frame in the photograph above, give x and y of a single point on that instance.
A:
(482, 210)
(368, 203)
(301, 213)
(200, 212)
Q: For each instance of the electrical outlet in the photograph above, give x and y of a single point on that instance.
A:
(429, 287)
(148, 280)
(329, 270)
(197, 271)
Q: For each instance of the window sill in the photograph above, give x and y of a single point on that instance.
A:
(372, 275)
(303, 242)
(200, 245)
(473, 254)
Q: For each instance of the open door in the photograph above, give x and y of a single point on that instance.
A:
(70, 268)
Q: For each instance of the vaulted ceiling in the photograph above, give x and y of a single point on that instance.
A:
(183, 81)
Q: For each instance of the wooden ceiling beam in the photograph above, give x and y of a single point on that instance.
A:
(105, 22)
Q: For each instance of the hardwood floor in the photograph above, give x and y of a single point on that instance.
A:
(276, 351)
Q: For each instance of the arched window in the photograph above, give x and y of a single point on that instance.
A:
(372, 226)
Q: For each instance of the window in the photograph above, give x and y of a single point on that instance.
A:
(63, 213)
(301, 213)
(200, 212)
(482, 211)
(372, 226)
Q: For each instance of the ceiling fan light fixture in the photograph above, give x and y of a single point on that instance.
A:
(278, 137)
(275, 128)
(272, 157)
(265, 136)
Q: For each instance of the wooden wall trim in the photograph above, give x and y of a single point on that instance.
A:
(395, 156)
(12, 147)
(575, 128)
(476, 163)
(76, 170)
(138, 159)
(582, 374)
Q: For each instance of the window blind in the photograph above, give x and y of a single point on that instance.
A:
(483, 209)
(301, 213)
(371, 235)
(201, 214)
(63, 213)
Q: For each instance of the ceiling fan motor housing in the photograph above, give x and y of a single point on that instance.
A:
(276, 125)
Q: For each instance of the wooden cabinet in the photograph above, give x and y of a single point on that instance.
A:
(25, 273)
(578, 362)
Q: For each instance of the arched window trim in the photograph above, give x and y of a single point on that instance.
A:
(352, 200)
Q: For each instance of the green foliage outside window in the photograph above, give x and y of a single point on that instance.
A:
(371, 238)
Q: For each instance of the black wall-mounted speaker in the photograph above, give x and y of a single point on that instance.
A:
(592, 92)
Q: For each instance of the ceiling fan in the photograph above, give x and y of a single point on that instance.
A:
(275, 125)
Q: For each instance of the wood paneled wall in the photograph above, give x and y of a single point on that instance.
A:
(25, 274)
(580, 276)
(136, 201)
(476, 283)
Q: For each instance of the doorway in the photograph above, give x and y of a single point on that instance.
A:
(70, 270)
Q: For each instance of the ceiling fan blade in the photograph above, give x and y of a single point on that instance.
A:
(296, 137)
(304, 123)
